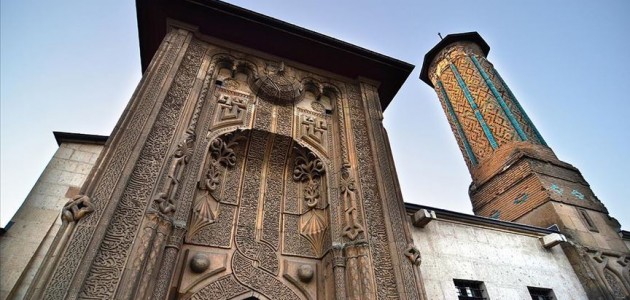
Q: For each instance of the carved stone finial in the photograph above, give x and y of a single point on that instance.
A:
(76, 209)
(305, 273)
(413, 254)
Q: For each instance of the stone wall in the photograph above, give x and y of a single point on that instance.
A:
(506, 261)
(24, 245)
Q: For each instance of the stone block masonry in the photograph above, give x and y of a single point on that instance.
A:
(25, 243)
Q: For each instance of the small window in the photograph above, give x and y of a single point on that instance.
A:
(587, 220)
(468, 289)
(541, 293)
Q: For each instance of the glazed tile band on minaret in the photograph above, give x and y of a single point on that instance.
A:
(512, 168)
(476, 98)
(515, 176)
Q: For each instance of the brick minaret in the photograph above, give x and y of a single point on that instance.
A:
(516, 176)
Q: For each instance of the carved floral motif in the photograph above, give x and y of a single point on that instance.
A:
(352, 227)
(206, 207)
(309, 170)
(181, 156)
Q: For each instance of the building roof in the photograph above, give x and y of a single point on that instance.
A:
(472, 219)
(472, 36)
(69, 137)
(253, 30)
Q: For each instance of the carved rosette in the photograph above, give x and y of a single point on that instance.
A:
(277, 86)
(206, 206)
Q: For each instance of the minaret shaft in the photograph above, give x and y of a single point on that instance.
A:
(515, 175)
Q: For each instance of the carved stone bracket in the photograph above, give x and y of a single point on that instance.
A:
(413, 254)
(352, 227)
(181, 156)
(206, 207)
(76, 209)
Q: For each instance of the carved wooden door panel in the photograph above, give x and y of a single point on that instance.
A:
(259, 225)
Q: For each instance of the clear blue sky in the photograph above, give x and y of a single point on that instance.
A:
(73, 65)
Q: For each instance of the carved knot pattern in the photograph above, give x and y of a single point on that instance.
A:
(413, 254)
(314, 130)
(352, 227)
(181, 156)
(222, 157)
(309, 169)
(231, 108)
(76, 209)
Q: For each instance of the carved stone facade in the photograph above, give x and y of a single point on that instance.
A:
(233, 174)
(242, 169)
(516, 176)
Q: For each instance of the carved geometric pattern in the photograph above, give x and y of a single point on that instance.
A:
(231, 108)
(500, 126)
(65, 271)
(247, 239)
(615, 285)
(263, 282)
(224, 288)
(108, 264)
(456, 128)
(277, 86)
(314, 130)
(472, 129)
(372, 203)
(295, 243)
(394, 209)
(523, 121)
(277, 160)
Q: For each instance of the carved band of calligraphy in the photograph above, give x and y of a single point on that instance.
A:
(107, 267)
(391, 198)
(372, 204)
(123, 143)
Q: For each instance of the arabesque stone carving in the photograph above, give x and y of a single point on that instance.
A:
(221, 156)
